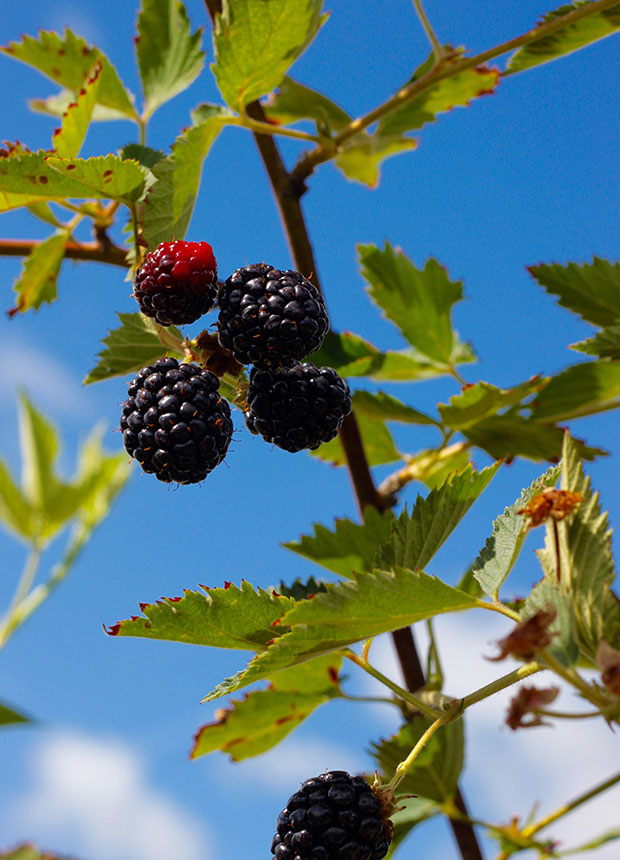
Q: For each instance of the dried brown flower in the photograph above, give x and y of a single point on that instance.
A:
(527, 701)
(608, 661)
(556, 504)
(528, 636)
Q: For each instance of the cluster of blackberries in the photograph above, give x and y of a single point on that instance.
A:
(268, 318)
(333, 816)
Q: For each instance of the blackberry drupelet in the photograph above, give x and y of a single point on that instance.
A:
(177, 282)
(174, 422)
(270, 317)
(296, 407)
(333, 816)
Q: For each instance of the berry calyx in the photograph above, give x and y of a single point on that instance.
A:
(270, 317)
(174, 422)
(296, 407)
(333, 816)
(177, 282)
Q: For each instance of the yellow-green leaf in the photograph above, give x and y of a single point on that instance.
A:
(69, 137)
(67, 61)
(106, 176)
(37, 282)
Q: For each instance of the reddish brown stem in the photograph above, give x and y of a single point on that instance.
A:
(93, 252)
(288, 193)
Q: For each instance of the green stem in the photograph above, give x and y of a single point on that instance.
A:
(401, 769)
(566, 715)
(416, 702)
(572, 677)
(573, 804)
(11, 619)
(501, 683)
(267, 128)
(438, 50)
(496, 606)
(441, 72)
(370, 699)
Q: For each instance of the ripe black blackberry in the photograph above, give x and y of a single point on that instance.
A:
(174, 422)
(270, 317)
(333, 816)
(296, 407)
(177, 282)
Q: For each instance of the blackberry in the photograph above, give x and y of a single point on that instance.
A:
(333, 816)
(296, 407)
(270, 317)
(177, 282)
(174, 422)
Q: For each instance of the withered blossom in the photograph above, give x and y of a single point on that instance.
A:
(549, 503)
(527, 701)
(528, 636)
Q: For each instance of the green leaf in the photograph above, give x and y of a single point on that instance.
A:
(170, 202)
(10, 717)
(455, 91)
(293, 102)
(435, 773)
(604, 344)
(433, 467)
(418, 301)
(351, 356)
(68, 139)
(479, 401)
(546, 594)
(515, 436)
(350, 611)
(43, 212)
(39, 446)
(146, 156)
(412, 812)
(597, 842)
(586, 562)
(591, 290)
(29, 852)
(130, 348)
(502, 548)
(387, 408)
(350, 547)
(416, 537)
(377, 439)
(37, 282)
(107, 176)
(57, 104)
(169, 55)
(67, 61)
(228, 617)
(28, 178)
(15, 510)
(582, 389)
(255, 43)
(571, 38)
(262, 719)
(361, 156)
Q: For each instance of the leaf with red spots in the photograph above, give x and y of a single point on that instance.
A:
(218, 617)
(69, 137)
(262, 719)
(67, 61)
(104, 176)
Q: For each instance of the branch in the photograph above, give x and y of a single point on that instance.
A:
(93, 252)
(288, 190)
(447, 67)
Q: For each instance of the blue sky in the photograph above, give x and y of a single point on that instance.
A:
(526, 175)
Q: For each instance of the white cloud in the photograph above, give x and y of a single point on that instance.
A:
(91, 797)
(290, 763)
(508, 772)
(46, 380)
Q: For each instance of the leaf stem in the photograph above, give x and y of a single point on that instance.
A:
(439, 72)
(11, 620)
(438, 49)
(501, 683)
(408, 697)
(260, 127)
(573, 804)
(572, 677)
(401, 769)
